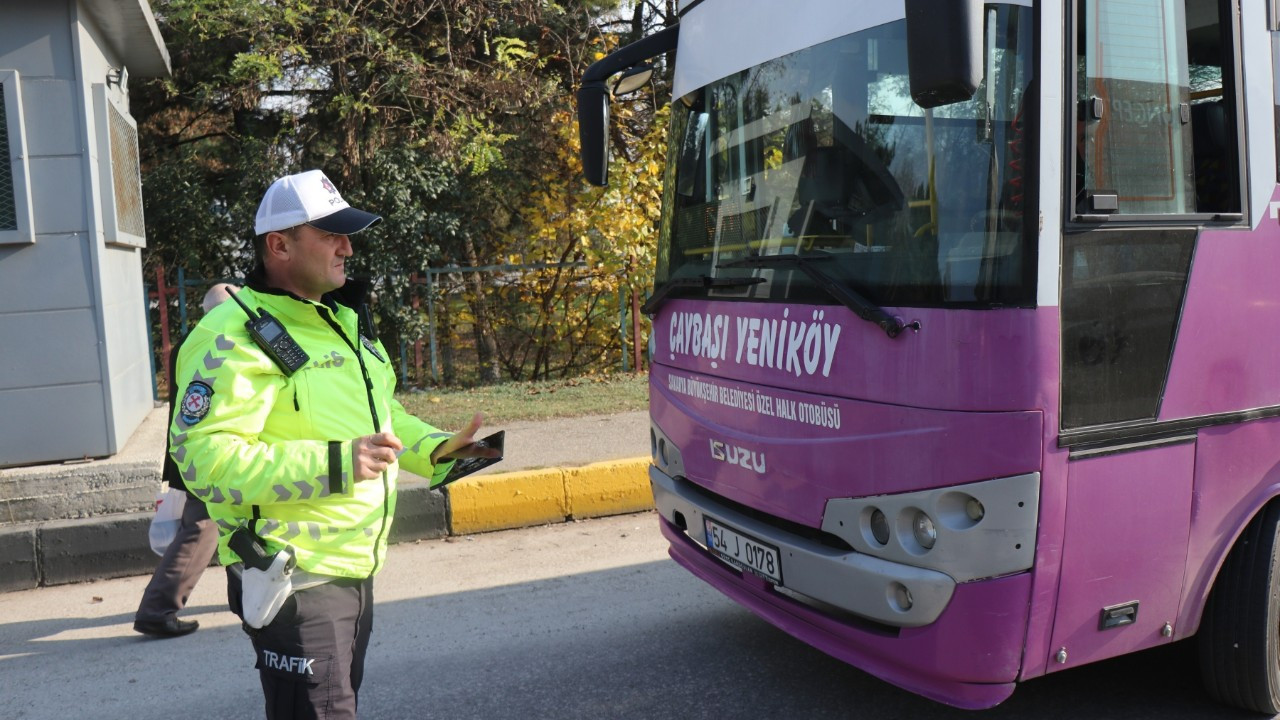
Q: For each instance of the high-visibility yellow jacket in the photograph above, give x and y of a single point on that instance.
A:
(258, 445)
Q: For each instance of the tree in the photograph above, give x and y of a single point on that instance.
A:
(443, 115)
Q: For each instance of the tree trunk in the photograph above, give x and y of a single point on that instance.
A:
(349, 134)
(486, 346)
(637, 355)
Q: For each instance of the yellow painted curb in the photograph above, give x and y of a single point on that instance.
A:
(507, 500)
(608, 488)
(535, 497)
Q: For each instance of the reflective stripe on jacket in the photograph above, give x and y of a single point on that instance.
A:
(247, 437)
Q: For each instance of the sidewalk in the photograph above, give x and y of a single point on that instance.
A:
(88, 520)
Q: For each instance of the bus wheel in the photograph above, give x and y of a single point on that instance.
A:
(1239, 638)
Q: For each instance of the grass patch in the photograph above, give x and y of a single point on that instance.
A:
(450, 409)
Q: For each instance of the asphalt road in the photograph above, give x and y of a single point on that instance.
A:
(581, 620)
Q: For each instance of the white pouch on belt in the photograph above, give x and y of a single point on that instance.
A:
(263, 592)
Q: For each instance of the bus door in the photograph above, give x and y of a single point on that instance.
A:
(1152, 162)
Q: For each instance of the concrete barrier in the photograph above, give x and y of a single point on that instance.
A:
(19, 561)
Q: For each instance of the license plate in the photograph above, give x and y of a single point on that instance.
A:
(743, 551)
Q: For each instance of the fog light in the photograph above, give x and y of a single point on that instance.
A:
(922, 527)
(973, 508)
(879, 527)
(662, 450)
(900, 597)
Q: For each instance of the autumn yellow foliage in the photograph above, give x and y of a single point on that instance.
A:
(572, 315)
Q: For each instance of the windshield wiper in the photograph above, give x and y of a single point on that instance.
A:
(702, 281)
(848, 297)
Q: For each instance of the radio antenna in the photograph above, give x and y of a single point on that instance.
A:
(252, 315)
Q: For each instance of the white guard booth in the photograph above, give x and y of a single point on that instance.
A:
(75, 372)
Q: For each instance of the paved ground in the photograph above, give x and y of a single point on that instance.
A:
(70, 651)
(572, 621)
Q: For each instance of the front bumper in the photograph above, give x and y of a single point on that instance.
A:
(960, 644)
(854, 582)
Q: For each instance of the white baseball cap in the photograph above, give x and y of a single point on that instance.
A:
(309, 198)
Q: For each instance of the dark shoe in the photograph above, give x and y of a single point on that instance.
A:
(169, 627)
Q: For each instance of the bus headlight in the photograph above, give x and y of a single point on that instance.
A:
(879, 527)
(923, 531)
(970, 532)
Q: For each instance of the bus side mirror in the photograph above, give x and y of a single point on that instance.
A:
(593, 96)
(593, 131)
(944, 50)
(632, 79)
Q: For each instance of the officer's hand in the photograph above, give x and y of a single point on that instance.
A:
(463, 444)
(372, 454)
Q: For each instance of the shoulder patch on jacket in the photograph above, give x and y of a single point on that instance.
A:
(195, 403)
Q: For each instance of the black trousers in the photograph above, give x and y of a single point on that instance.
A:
(310, 658)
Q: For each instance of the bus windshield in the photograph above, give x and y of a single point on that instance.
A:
(822, 152)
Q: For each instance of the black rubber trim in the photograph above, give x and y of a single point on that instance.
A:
(1116, 435)
(335, 467)
(1085, 453)
(689, 7)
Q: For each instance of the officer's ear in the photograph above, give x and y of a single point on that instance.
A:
(276, 245)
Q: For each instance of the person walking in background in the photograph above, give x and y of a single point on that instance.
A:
(290, 431)
(192, 548)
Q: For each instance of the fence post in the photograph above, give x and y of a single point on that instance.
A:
(416, 303)
(151, 345)
(162, 295)
(404, 365)
(182, 299)
(398, 301)
(431, 323)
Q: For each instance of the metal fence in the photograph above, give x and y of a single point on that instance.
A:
(428, 295)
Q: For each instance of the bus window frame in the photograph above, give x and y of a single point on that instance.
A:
(1074, 221)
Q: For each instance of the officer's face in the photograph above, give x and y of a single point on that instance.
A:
(313, 261)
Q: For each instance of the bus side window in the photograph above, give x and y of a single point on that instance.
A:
(1211, 49)
(1156, 117)
(1216, 173)
(1273, 24)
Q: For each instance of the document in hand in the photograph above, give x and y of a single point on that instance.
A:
(465, 466)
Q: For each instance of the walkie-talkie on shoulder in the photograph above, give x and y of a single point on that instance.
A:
(271, 335)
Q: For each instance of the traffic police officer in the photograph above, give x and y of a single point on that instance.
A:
(304, 455)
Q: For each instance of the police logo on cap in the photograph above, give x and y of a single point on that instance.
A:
(195, 403)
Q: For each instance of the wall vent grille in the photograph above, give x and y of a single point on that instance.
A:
(8, 193)
(126, 174)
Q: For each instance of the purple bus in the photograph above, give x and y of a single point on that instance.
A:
(965, 362)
